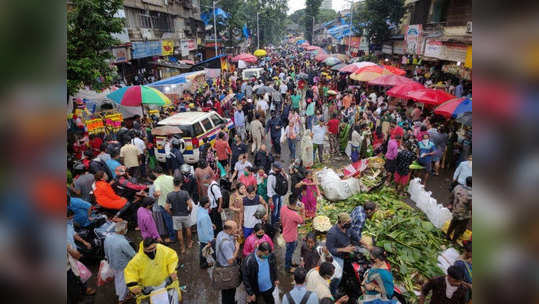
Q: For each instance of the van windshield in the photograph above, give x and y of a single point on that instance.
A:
(187, 130)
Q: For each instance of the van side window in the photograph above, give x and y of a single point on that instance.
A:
(216, 120)
(198, 129)
(207, 124)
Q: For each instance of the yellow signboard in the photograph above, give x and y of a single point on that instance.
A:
(167, 47)
(468, 61)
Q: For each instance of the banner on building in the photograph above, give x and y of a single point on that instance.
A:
(146, 49)
(413, 38)
(352, 41)
(454, 52)
(468, 61)
(387, 49)
(167, 47)
(155, 2)
(188, 44)
(433, 48)
(121, 54)
(364, 44)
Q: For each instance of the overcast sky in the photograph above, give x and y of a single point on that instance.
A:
(294, 5)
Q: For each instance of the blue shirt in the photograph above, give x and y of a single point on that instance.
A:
(204, 226)
(112, 164)
(428, 148)
(463, 171)
(358, 221)
(71, 234)
(118, 251)
(297, 294)
(80, 208)
(239, 119)
(264, 279)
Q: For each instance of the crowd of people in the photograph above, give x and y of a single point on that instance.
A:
(244, 197)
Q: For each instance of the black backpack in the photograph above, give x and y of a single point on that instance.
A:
(281, 184)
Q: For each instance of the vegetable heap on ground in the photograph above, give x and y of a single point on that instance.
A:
(411, 241)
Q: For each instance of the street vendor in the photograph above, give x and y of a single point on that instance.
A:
(339, 244)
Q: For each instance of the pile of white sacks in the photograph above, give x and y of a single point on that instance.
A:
(436, 213)
(335, 188)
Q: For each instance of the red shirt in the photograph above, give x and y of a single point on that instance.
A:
(333, 126)
(290, 220)
(249, 180)
(397, 131)
(222, 149)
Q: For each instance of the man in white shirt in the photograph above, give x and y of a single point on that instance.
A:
(216, 205)
(319, 133)
(283, 88)
(372, 96)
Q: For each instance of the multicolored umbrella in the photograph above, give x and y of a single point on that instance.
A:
(394, 70)
(135, 96)
(351, 68)
(245, 57)
(331, 61)
(369, 73)
(454, 107)
(429, 96)
(400, 91)
(260, 53)
(390, 80)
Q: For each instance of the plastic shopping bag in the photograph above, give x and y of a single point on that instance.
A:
(84, 273)
(105, 273)
(283, 137)
(276, 295)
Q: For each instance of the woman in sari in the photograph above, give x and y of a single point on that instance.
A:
(378, 280)
(236, 203)
(309, 194)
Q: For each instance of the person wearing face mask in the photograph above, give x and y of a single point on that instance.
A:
(118, 253)
(259, 274)
(318, 279)
(227, 250)
(258, 236)
(424, 155)
(241, 167)
(151, 267)
(204, 228)
(446, 289)
(339, 244)
(378, 280)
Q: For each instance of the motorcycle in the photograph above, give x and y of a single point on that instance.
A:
(167, 293)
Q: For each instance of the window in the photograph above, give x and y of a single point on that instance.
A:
(150, 20)
(187, 131)
(216, 120)
(144, 20)
(207, 124)
(198, 129)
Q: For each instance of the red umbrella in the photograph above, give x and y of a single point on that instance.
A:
(245, 57)
(395, 70)
(400, 91)
(390, 80)
(429, 96)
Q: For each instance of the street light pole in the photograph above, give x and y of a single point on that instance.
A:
(257, 33)
(313, 31)
(214, 29)
(350, 33)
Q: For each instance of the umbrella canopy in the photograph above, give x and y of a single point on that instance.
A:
(400, 91)
(342, 57)
(260, 53)
(303, 75)
(312, 47)
(321, 56)
(395, 70)
(134, 96)
(351, 68)
(369, 73)
(454, 107)
(330, 61)
(339, 66)
(245, 57)
(390, 80)
(332, 92)
(166, 130)
(264, 90)
(429, 96)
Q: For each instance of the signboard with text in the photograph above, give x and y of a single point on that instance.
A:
(413, 38)
(121, 54)
(146, 49)
(433, 48)
(167, 47)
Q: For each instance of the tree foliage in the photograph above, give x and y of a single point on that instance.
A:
(325, 15)
(382, 15)
(90, 24)
(311, 9)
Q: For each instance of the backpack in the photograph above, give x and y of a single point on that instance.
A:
(281, 184)
(304, 300)
(225, 194)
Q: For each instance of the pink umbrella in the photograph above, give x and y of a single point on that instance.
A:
(429, 96)
(395, 70)
(321, 56)
(312, 47)
(390, 80)
(351, 68)
(400, 91)
(245, 57)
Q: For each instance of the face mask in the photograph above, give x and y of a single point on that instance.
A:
(150, 254)
(259, 236)
(425, 141)
(347, 225)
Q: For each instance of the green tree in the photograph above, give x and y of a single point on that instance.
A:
(298, 16)
(382, 13)
(311, 9)
(90, 24)
(325, 15)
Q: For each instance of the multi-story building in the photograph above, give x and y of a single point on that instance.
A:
(326, 4)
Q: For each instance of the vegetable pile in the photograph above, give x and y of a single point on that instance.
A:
(411, 241)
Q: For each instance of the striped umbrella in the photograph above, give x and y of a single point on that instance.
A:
(454, 107)
(135, 96)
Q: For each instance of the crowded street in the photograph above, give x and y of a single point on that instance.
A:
(291, 171)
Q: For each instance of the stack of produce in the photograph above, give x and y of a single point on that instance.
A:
(411, 241)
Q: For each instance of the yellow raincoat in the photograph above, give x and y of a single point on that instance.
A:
(147, 272)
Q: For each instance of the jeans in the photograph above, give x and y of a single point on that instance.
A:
(228, 296)
(320, 149)
(292, 148)
(168, 222)
(290, 247)
(309, 122)
(276, 214)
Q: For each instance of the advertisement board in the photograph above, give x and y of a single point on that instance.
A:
(146, 49)
(413, 38)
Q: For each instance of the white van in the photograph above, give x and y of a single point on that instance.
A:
(197, 128)
(250, 73)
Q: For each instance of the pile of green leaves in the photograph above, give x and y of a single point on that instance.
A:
(411, 241)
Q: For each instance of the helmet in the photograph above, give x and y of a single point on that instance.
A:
(120, 170)
(260, 212)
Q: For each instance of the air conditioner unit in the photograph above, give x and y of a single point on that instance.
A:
(469, 27)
